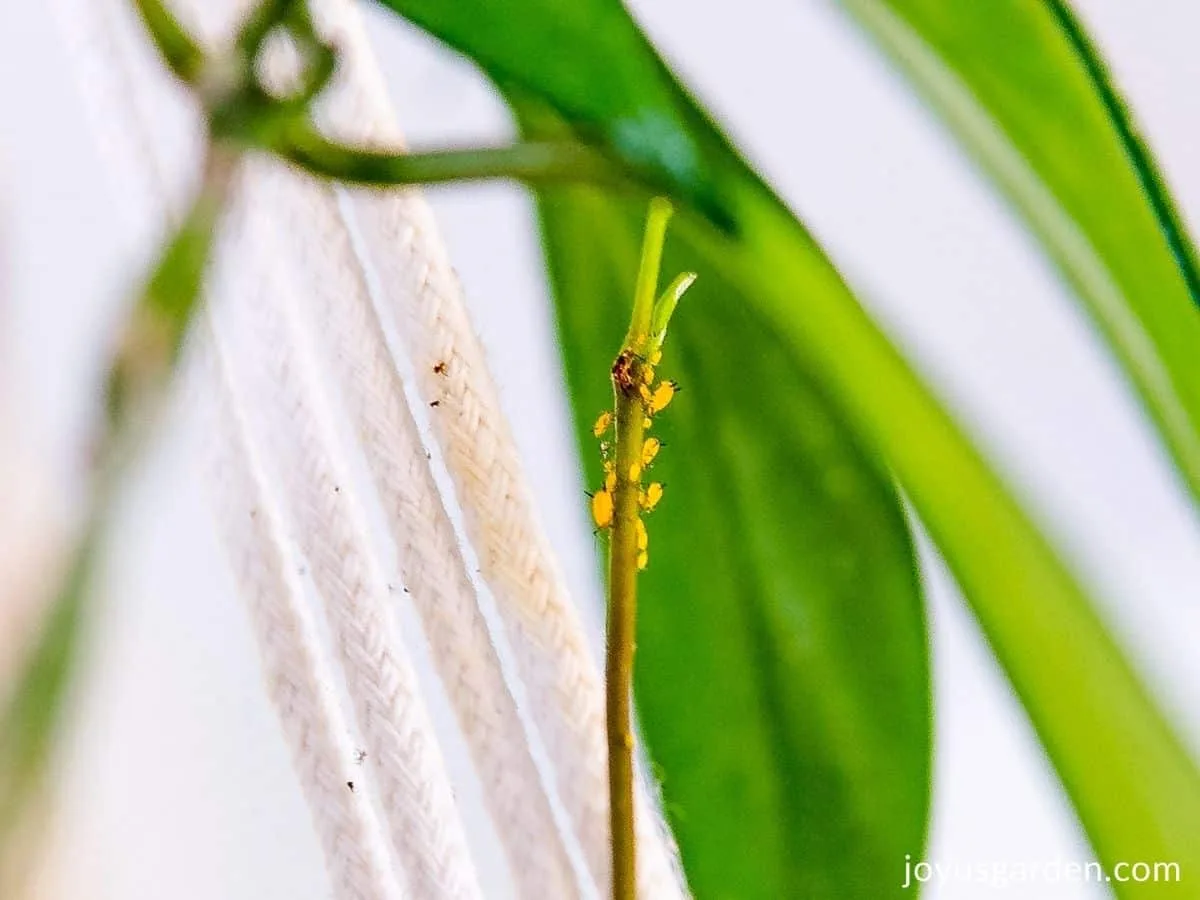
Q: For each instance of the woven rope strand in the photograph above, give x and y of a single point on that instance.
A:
(117, 88)
(404, 756)
(116, 92)
(418, 804)
(431, 564)
(296, 680)
(648, 839)
(515, 556)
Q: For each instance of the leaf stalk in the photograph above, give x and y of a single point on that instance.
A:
(632, 373)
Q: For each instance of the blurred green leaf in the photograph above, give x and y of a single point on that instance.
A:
(1024, 90)
(29, 721)
(782, 673)
(617, 93)
(135, 383)
(1135, 787)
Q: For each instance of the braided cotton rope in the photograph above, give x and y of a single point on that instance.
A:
(297, 683)
(515, 556)
(431, 564)
(551, 650)
(418, 803)
(425, 838)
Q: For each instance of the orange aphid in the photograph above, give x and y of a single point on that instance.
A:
(662, 395)
(650, 450)
(649, 498)
(602, 508)
(602, 423)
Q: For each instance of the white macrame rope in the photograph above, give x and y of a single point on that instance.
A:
(551, 651)
(539, 861)
(403, 753)
(431, 563)
(297, 682)
(515, 556)
(424, 826)
(114, 86)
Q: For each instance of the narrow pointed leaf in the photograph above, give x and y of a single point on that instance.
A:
(782, 673)
(1024, 89)
(1134, 785)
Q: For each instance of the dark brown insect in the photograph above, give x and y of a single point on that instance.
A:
(440, 368)
(435, 402)
(350, 784)
(626, 373)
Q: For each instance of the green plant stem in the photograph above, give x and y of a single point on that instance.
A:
(534, 163)
(647, 281)
(154, 334)
(181, 54)
(259, 22)
(628, 376)
(29, 721)
(621, 635)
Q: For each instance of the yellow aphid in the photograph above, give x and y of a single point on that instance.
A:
(646, 423)
(635, 472)
(646, 396)
(602, 508)
(662, 396)
(650, 450)
(648, 499)
(643, 560)
(609, 466)
(647, 374)
(602, 423)
(643, 539)
(655, 357)
(610, 480)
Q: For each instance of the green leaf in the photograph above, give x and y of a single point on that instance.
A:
(1024, 90)
(782, 673)
(1134, 786)
(29, 720)
(137, 379)
(616, 93)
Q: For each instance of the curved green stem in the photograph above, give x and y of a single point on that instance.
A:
(181, 54)
(535, 163)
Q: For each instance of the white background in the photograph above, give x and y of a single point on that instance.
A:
(178, 784)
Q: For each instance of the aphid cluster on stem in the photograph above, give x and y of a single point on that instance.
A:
(619, 507)
(633, 376)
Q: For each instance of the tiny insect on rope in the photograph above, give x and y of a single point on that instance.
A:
(618, 506)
